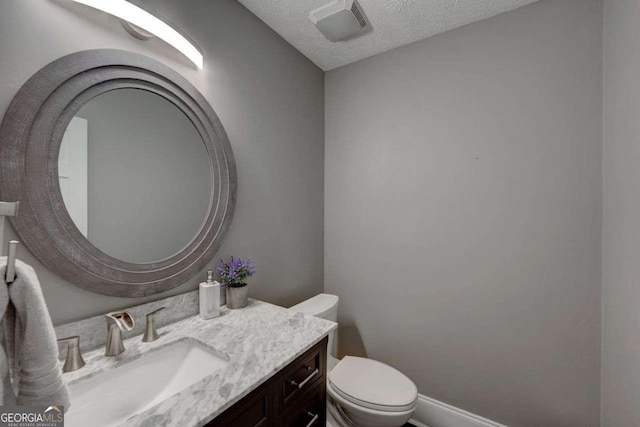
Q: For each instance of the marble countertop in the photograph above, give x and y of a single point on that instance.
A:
(258, 340)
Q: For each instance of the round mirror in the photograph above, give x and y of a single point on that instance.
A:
(125, 175)
(134, 175)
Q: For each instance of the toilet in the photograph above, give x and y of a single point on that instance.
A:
(360, 391)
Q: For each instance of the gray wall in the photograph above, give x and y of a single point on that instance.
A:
(621, 238)
(463, 212)
(270, 100)
(148, 175)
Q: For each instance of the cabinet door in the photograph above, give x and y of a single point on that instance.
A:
(255, 410)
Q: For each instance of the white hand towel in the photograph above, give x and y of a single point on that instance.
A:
(30, 342)
(6, 390)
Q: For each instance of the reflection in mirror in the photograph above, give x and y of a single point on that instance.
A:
(134, 174)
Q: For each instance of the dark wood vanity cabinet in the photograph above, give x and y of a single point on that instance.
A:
(294, 397)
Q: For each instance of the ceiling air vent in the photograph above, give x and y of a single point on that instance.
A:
(339, 20)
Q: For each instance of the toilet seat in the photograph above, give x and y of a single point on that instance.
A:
(371, 384)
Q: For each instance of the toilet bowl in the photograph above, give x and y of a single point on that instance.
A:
(360, 391)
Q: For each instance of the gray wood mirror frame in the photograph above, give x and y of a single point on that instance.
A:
(30, 138)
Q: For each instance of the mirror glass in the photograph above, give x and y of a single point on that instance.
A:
(135, 175)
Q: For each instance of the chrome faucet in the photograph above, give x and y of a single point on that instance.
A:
(117, 321)
(150, 333)
(74, 360)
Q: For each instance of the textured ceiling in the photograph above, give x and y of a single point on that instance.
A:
(394, 23)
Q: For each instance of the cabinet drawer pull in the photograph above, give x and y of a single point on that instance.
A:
(313, 420)
(306, 380)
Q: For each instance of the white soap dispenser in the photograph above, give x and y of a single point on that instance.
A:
(209, 298)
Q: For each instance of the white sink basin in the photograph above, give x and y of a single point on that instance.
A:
(111, 397)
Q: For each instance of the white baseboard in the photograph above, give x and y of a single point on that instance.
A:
(432, 413)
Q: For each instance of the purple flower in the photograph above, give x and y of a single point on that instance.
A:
(235, 272)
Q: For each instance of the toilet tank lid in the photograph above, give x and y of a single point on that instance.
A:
(318, 305)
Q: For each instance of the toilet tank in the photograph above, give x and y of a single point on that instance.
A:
(324, 306)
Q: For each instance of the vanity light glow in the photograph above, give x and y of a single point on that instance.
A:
(133, 14)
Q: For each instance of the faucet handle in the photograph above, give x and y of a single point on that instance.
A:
(74, 360)
(150, 333)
